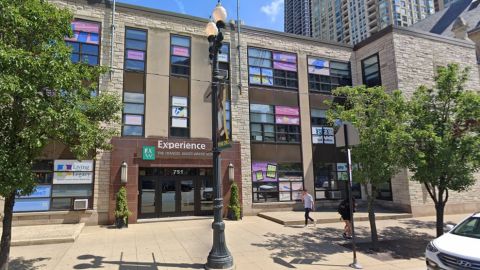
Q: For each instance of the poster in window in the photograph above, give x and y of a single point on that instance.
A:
(255, 79)
(318, 66)
(317, 131)
(260, 108)
(136, 120)
(179, 101)
(328, 131)
(259, 175)
(284, 196)
(285, 110)
(135, 55)
(267, 80)
(72, 177)
(40, 191)
(179, 122)
(267, 72)
(297, 196)
(69, 165)
(285, 57)
(342, 167)
(254, 71)
(317, 139)
(328, 139)
(84, 26)
(285, 66)
(342, 176)
(180, 51)
(262, 167)
(298, 186)
(223, 57)
(284, 186)
(272, 171)
(179, 112)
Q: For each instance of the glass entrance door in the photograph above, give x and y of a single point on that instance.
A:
(168, 190)
(147, 197)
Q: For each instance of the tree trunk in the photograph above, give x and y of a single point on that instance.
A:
(440, 207)
(373, 225)
(7, 232)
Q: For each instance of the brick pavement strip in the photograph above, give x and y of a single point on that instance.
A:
(255, 243)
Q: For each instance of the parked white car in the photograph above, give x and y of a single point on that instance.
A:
(457, 249)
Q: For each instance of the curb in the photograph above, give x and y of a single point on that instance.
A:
(49, 240)
(332, 220)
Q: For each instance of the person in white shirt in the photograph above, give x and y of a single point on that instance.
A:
(307, 200)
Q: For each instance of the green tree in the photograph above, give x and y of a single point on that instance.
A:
(379, 118)
(234, 204)
(121, 206)
(44, 97)
(445, 127)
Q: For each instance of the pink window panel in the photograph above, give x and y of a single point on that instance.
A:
(284, 110)
(82, 26)
(181, 51)
(287, 120)
(135, 55)
(285, 57)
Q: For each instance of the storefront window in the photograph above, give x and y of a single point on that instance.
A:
(271, 68)
(274, 181)
(325, 75)
(331, 181)
(59, 183)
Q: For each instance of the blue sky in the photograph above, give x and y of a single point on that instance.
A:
(259, 13)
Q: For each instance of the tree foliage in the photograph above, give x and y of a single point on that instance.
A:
(121, 205)
(44, 97)
(234, 203)
(445, 128)
(380, 119)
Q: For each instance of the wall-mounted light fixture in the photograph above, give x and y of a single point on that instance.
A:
(123, 174)
(231, 172)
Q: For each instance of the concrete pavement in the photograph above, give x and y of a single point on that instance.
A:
(255, 243)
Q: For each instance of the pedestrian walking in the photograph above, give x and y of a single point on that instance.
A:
(344, 211)
(308, 203)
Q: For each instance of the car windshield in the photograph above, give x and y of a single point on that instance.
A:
(469, 228)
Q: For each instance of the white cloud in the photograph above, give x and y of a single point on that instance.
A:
(272, 9)
(181, 6)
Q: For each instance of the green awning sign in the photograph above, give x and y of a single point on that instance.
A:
(148, 153)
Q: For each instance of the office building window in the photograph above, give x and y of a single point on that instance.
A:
(322, 133)
(325, 75)
(371, 71)
(85, 42)
(274, 123)
(273, 181)
(180, 55)
(134, 82)
(271, 68)
(179, 120)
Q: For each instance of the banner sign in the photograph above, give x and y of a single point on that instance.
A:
(72, 177)
(66, 165)
(223, 132)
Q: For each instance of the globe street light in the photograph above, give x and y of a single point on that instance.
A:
(219, 256)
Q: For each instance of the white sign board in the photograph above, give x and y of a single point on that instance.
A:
(67, 165)
(72, 177)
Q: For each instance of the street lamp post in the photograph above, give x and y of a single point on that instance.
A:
(219, 256)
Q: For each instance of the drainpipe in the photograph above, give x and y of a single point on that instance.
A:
(112, 40)
(238, 49)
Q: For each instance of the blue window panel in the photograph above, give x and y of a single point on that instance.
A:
(30, 205)
(75, 46)
(178, 60)
(90, 59)
(94, 38)
(259, 53)
(136, 34)
(90, 49)
(254, 71)
(181, 41)
(259, 62)
(75, 58)
(136, 45)
(82, 37)
(267, 72)
(132, 130)
(133, 108)
(135, 65)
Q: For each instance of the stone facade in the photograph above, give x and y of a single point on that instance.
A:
(406, 57)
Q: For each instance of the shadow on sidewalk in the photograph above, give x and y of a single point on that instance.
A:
(21, 263)
(99, 262)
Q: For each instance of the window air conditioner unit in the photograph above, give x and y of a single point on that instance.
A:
(80, 204)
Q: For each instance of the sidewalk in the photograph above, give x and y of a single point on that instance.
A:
(254, 242)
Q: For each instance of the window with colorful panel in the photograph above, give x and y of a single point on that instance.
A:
(325, 75)
(273, 181)
(271, 68)
(371, 71)
(59, 184)
(180, 55)
(270, 123)
(85, 42)
(179, 120)
(134, 82)
(322, 133)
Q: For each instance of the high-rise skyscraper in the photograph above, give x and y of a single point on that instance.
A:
(352, 21)
(298, 17)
